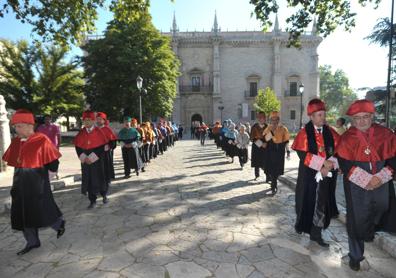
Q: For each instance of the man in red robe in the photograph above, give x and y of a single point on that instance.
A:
(90, 145)
(315, 191)
(367, 157)
(101, 119)
(35, 159)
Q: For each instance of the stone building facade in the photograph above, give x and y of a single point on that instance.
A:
(222, 71)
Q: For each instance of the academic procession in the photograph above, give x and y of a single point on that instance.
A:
(364, 155)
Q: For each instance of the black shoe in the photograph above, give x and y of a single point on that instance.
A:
(143, 170)
(91, 206)
(321, 242)
(127, 176)
(105, 200)
(27, 249)
(61, 229)
(137, 173)
(256, 178)
(354, 265)
(274, 190)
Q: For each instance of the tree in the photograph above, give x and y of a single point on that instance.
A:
(130, 48)
(381, 35)
(266, 101)
(329, 14)
(39, 79)
(61, 83)
(17, 81)
(66, 21)
(335, 92)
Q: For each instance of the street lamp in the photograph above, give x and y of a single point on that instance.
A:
(139, 83)
(301, 89)
(221, 108)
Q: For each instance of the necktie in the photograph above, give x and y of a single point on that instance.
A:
(319, 130)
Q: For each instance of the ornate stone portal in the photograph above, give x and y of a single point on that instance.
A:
(5, 137)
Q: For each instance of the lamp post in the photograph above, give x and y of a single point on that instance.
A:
(301, 89)
(139, 83)
(221, 108)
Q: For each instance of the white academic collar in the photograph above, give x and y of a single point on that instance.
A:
(318, 127)
(89, 130)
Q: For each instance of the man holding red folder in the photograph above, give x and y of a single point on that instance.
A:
(367, 157)
(90, 145)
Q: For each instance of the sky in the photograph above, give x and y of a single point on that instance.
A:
(365, 64)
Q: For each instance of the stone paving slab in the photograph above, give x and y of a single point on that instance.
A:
(192, 214)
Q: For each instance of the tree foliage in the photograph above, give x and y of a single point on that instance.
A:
(381, 35)
(329, 14)
(335, 92)
(67, 20)
(266, 101)
(130, 48)
(38, 78)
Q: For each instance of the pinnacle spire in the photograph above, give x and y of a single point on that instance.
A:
(215, 28)
(276, 27)
(314, 27)
(174, 29)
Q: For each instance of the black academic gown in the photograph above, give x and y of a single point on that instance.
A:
(94, 175)
(315, 202)
(258, 155)
(374, 210)
(33, 205)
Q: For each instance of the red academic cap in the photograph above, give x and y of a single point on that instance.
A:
(101, 115)
(88, 115)
(362, 105)
(22, 116)
(315, 105)
(134, 121)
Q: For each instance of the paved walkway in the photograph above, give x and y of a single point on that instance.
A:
(192, 214)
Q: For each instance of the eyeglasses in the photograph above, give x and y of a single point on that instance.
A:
(361, 118)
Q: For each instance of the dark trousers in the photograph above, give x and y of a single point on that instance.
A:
(32, 234)
(356, 249)
(127, 163)
(243, 156)
(202, 137)
(257, 171)
(92, 196)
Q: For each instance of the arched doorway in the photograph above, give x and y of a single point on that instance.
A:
(196, 119)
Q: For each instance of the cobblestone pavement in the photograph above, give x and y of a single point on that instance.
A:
(192, 214)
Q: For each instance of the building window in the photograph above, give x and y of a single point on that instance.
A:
(292, 114)
(253, 89)
(252, 115)
(293, 88)
(196, 83)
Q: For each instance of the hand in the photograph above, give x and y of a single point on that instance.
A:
(87, 161)
(264, 145)
(328, 164)
(374, 183)
(324, 171)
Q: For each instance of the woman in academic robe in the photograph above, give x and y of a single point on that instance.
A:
(231, 148)
(277, 137)
(35, 160)
(129, 138)
(259, 152)
(90, 143)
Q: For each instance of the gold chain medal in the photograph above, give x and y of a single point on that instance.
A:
(321, 149)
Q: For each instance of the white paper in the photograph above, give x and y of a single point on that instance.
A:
(258, 143)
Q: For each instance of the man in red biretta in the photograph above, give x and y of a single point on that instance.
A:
(367, 157)
(35, 159)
